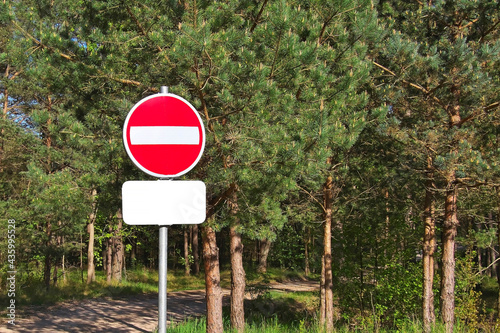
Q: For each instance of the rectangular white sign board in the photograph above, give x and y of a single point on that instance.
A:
(164, 202)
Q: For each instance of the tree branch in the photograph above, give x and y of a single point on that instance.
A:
(489, 31)
(72, 58)
(145, 34)
(40, 44)
(256, 21)
(215, 202)
(416, 86)
(312, 197)
(478, 112)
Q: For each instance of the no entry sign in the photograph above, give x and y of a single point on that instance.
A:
(164, 135)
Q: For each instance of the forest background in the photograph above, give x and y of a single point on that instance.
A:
(355, 140)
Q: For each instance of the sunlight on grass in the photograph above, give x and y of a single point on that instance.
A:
(74, 287)
(273, 325)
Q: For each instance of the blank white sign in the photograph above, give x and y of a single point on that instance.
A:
(164, 202)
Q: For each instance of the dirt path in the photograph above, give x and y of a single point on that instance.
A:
(132, 314)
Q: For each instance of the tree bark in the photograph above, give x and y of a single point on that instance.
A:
(109, 257)
(90, 230)
(118, 249)
(237, 270)
(327, 252)
(48, 258)
(265, 246)
(429, 247)
(212, 280)
(58, 240)
(46, 272)
(322, 306)
(186, 252)
(54, 274)
(448, 256)
(196, 257)
(450, 225)
(63, 264)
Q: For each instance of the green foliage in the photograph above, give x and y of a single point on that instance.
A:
(397, 294)
(468, 299)
(288, 249)
(289, 309)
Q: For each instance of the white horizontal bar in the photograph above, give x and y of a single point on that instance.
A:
(164, 135)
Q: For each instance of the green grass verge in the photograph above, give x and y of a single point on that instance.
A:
(279, 312)
(32, 291)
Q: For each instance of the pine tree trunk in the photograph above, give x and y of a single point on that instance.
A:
(196, 257)
(133, 253)
(327, 241)
(186, 252)
(46, 271)
(47, 267)
(450, 225)
(264, 248)
(212, 280)
(54, 274)
(109, 258)
(63, 267)
(56, 263)
(81, 255)
(448, 256)
(118, 250)
(237, 270)
(237, 281)
(322, 306)
(429, 247)
(90, 230)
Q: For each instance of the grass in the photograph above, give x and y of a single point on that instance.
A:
(288, 316)
(31, 290)
(286, 308)
(276, 311)
(271, 311)
(275, 275)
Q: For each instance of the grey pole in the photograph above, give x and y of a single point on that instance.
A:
(162, 270)
(162, 281)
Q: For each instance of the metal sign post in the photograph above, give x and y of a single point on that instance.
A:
(162, 281)
(162, 269)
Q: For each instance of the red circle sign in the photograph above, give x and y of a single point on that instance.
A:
(164, 135)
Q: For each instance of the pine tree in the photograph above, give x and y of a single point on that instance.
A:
(438, 61)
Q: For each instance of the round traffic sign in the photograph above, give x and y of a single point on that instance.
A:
(164, 135)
